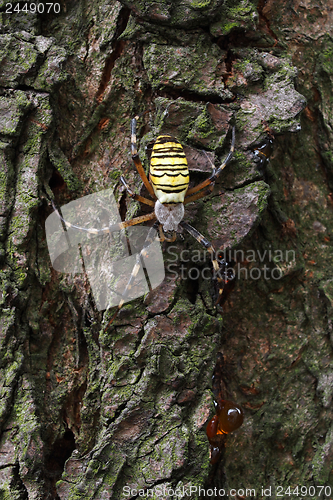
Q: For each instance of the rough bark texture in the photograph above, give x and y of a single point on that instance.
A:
(87, 411)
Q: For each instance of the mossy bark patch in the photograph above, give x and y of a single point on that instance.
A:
(161, 415)
(194, 68)
(236, 214)
(178, 14)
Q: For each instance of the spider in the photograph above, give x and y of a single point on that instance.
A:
(168, 187)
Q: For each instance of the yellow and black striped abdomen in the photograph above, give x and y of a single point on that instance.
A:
(169, 173)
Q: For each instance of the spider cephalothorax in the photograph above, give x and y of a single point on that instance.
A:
(169, 215)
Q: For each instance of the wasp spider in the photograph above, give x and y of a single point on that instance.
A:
(168, 187)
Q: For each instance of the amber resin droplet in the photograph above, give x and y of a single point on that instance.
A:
(230, 417)
(211, 429)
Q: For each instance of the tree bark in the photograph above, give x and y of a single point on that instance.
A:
(95, 412)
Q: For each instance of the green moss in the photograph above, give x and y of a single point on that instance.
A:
(263, 192)
(225, 27)
(115, 174)
(326, 58)
(61, 163)
(242, 120)
(239, 14)
(241, 162)
(200, 4)
(202, 127)
(281, 125)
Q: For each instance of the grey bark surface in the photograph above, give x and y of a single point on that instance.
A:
(85, 410)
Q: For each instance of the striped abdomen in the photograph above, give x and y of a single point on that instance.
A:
(169, 173)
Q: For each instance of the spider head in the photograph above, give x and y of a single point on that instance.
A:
(169, 215)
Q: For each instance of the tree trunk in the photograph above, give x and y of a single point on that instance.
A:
(95, 411)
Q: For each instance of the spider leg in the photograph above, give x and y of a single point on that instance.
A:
(136, 159)
(108, 229)
(200, 195)
(209, 247)
(149, 239)
(215, 173)
(136, 196)
(164, 238)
